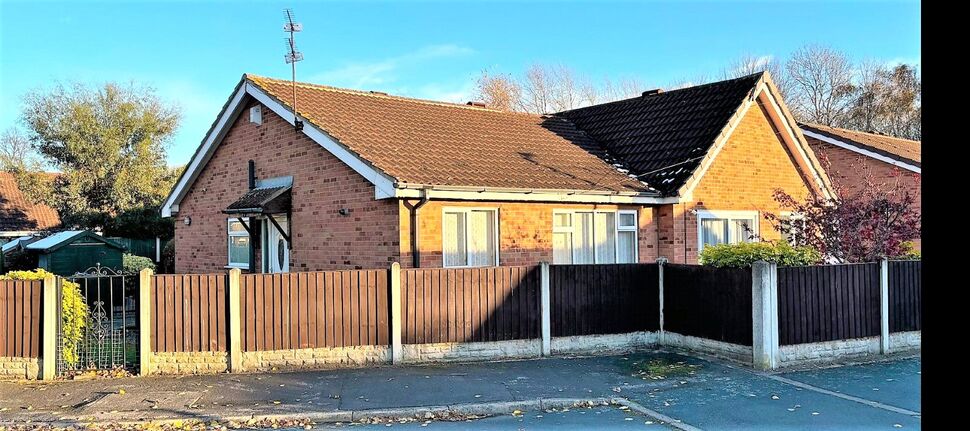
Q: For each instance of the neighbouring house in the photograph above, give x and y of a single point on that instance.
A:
(365, 179)
(850, 156)
(18, 216)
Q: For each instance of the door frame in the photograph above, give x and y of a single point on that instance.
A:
(266, 226)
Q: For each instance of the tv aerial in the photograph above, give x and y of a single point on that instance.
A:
(292, 56)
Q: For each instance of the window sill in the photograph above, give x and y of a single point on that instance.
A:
(245, 267)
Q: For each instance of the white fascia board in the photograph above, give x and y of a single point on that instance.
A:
(383, 183)
(863, 151)
(544, 196)
(204, 154)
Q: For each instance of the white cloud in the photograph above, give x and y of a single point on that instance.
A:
(361, 74)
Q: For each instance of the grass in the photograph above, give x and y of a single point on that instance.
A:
(662, 368)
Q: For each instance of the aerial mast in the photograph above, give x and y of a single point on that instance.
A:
(292, 56)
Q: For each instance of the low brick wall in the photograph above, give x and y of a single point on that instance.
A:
(316, 358)
(188, 362)
(734, 352)
(828, 351)
(905, 341)
(603, 344)
(456, 352)
(19, 368)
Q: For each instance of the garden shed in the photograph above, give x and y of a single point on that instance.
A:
(69, 252)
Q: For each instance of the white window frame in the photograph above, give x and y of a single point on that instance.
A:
(466, 210)
(229, 235)
(788, 217)
(616, 231)
(729, 215)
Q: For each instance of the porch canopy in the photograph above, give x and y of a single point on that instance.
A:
(262, 201)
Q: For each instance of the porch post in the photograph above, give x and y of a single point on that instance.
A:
(49, 329)
(144, 322)
(764, 309)
(235, 330)
(545, 309)
(397, 353)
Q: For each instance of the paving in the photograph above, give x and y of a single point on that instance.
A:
(701, 393)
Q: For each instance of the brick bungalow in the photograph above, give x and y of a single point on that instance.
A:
(662, 174)
(849, 156)
(20, 217)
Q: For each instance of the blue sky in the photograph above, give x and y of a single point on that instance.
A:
(193, 53)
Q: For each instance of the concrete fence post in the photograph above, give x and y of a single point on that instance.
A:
(661, 261)
(49, 329)
(397, 349)
(545, 309)
(764, 309)
(144, 321)
(884, 306)
(235, 322)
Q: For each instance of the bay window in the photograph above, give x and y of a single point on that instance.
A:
(469, 237)
(583, 237)
(726, 227)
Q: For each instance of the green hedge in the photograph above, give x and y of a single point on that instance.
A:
(746, 253)
(134, 264)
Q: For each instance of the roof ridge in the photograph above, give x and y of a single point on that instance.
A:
(666, 92)
(384, 95)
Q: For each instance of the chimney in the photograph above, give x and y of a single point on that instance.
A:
(476, 104)
(652, 92)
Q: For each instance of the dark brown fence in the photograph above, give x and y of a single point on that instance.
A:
(470, 304)
(188, 313)
(603, 299)
(708, 302)
(20, 318)
(315, 309)
(905, 296)
(827, 302)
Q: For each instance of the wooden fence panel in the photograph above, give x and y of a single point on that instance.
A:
(708, 302)
(456, 305)
(314, 309)
(603, 299)
(827, 303)
(905, 295)
(188, 313)
(21, 314)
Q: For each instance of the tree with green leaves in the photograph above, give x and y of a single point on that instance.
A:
(109, 143)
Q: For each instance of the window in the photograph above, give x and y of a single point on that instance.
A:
(238, 244)
(726, 227)
(594, 237)
(469, 237)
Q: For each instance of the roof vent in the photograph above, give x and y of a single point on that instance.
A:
(476, 104)
(652, 92)
(379, 93)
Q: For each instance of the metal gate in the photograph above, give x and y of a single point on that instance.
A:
(109, 339)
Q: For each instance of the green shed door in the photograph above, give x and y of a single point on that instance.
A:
(81, 255)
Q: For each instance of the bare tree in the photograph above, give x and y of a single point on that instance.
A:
(499, 91)
(625, 88)
(820, 85)
(16, 152)
(749, 64)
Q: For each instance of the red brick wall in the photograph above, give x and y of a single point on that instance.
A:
(525, 231)
(743, 176)
(323, 239)
(848, 170)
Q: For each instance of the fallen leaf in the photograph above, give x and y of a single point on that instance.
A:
(774, 397)
(121, 392)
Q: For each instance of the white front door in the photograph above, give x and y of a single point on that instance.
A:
(277, 251)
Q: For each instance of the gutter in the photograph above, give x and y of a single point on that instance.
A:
(415, 190)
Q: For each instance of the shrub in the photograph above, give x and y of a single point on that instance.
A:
(910, 253)
(134, 264)
(746, 253)
(74, 312)
(167, 265)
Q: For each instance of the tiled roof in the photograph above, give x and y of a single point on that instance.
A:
(18, 214)
(663, 136)
(256, 199)
(435, 143)
(904, 150)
